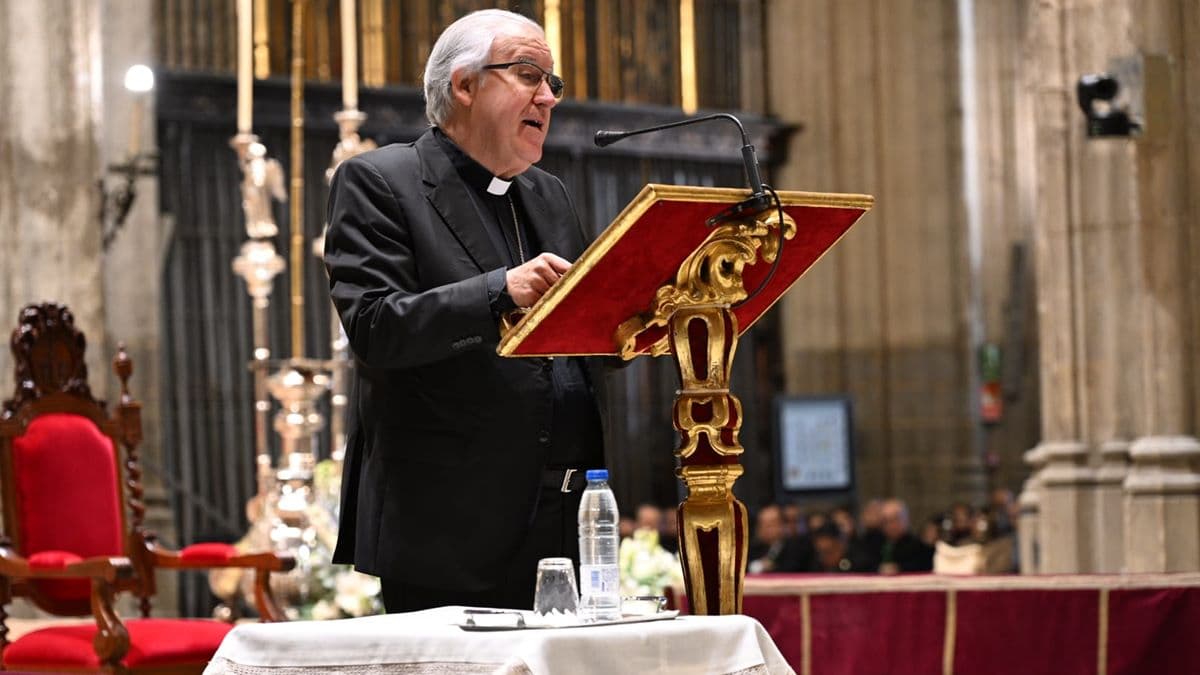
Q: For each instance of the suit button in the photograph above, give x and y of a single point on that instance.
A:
(544, 437)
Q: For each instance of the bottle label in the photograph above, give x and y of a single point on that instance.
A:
(599, 580)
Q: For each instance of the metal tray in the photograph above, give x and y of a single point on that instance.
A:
(527, 620)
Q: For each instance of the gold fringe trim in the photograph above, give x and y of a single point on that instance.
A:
(805, 635)
(1102, 638)
(951, 632)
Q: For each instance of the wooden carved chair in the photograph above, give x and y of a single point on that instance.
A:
(73, 520)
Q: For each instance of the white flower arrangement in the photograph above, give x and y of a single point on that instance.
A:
(646, 567)
(348, 594)
(334, 591)
(316, 588)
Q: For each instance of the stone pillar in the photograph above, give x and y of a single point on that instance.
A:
(1162, 505)
(1067, 528)
(1029, 526)
(50, 75)
(1162, 491)
(1110, 505)
(1064, 532)
(49, 162)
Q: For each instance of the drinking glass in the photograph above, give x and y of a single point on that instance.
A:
(556, 588)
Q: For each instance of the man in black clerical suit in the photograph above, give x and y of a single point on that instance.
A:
(462, 468)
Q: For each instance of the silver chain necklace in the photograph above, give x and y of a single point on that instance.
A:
(516, 229)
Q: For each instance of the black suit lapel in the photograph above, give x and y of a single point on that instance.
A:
(552, 227)
(449, 197)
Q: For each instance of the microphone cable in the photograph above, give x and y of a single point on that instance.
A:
(778, 251)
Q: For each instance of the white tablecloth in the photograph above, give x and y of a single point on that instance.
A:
(428, 642)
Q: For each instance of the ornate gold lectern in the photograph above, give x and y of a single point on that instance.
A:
(660, 281)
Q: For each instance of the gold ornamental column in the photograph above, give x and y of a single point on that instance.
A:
(702, 336)
(714, 525)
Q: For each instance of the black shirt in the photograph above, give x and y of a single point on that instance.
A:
(575, 433)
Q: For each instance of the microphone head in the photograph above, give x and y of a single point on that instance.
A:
(604, 138)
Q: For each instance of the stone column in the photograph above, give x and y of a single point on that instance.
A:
(50, 94)
(49, 162)
(1029, 527)
(1162, 509)
(1110, 505)
(1067, 527)
(1162, 502)
(1065, 493)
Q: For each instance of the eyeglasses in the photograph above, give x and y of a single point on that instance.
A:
(531, 75)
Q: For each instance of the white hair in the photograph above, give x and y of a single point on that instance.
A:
(466, 43)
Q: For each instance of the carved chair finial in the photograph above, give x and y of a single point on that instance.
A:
(48, 353)
(123, 367)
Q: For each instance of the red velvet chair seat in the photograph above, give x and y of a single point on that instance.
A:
(152, 642)
(52, 560)
(208, 553)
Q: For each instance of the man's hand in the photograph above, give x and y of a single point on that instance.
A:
(530, 281)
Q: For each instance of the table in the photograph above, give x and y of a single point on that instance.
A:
(427, 642)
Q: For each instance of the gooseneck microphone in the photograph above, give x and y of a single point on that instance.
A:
(763, 197)
(756, 203)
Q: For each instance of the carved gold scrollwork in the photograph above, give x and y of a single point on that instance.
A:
(710, 275)
(711, 429)
(707, 389)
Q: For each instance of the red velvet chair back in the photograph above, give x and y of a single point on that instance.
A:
(59, 459)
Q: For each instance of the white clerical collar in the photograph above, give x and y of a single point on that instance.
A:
(498, 186)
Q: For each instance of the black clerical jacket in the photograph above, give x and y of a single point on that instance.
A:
(446, 440)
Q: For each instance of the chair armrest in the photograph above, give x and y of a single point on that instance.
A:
(106, 568)
(111, 641)
(210, 555)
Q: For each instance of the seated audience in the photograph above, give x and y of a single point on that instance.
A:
(870, 539)
(771, 549)
(1003, 511)
(791, 520)
(901, 551)
(625, 526)
(931, 531)
(844, 519)
(649, 517)
(832, 552)
(961, 528)
(814, 520)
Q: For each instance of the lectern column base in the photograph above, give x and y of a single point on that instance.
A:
(714, 531)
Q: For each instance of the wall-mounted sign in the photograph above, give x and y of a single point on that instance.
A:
(815, 449)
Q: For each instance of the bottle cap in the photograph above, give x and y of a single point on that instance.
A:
(597, 474)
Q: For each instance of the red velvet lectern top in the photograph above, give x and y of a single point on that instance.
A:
(618, 275)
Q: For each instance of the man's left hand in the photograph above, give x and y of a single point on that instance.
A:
(527, 283)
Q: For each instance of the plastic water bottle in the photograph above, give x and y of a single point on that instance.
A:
(599, 574)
